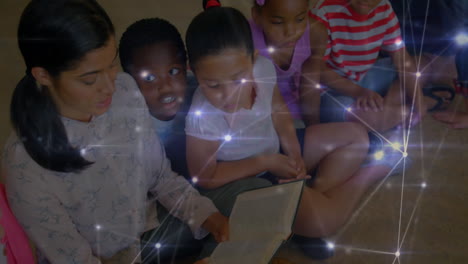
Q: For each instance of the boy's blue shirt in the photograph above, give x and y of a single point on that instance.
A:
(172, 132)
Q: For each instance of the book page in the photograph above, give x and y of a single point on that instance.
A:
(265, 212)
(245, 252)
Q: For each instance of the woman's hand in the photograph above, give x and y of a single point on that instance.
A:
(218, 225)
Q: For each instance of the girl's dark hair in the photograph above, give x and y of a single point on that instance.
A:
(54, 35)
(216, 29)
(146, 32)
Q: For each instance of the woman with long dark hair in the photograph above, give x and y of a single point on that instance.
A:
(84, 167)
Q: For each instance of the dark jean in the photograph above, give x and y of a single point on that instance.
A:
(175, 237)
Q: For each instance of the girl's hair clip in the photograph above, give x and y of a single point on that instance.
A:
(260, 2)
(212, 3)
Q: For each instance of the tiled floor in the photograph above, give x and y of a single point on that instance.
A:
(428, 224)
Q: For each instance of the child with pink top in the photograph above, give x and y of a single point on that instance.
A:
(280, 31)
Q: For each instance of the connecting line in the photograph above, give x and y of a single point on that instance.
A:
(424, 32)
(418, 66)
(406, 140)
(401, 240)
(370, 251)
(401, 203)
(411, 218)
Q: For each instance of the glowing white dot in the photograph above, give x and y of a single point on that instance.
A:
(461, 39)
(137, 128)
(194, 179)
(418, 74)
(405, 154)
(228, 138)
(396, 145)
(243, 81)
(318, 86)
(144, 74)
(98, 227)
(397, 254)
(399, 42)
(330, 245)
(379, 155)
(198, 113)
(349, 109)
(158, 245)
(271, 50)
(423, 185)
(83, 151)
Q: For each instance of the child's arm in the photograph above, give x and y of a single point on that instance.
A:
(329, 77)
(202, 163)
(365, 98)
(284, 127)
(310, 79)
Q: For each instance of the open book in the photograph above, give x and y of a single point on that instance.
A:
(260, 222)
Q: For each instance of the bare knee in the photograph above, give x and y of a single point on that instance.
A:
(358, 132)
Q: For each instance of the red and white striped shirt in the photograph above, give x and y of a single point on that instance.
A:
(355, 40)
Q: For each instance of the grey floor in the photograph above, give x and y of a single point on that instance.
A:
(427, 224)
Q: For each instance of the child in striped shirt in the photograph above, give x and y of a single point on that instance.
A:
(349, 36)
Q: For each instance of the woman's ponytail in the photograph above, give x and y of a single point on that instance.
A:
(38, 124)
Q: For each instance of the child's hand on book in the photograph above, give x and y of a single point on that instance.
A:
(218, 225)
(301, 172)
(282, 166)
